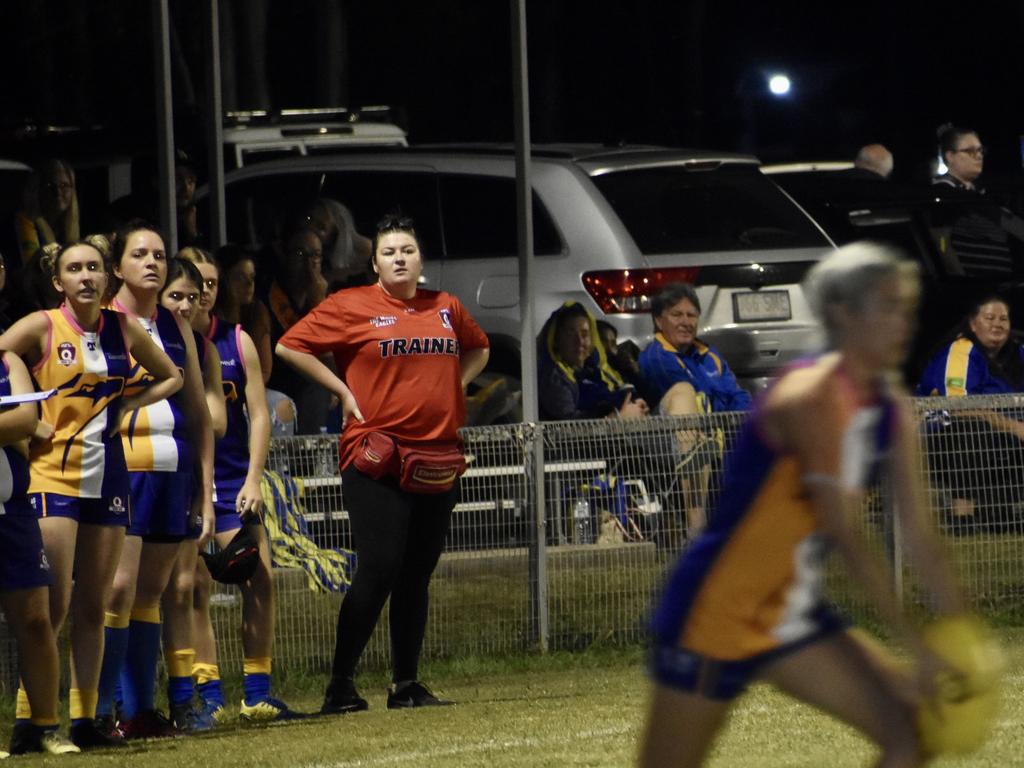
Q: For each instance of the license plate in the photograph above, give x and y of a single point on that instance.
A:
(755, 306)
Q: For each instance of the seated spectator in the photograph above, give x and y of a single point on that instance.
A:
(624, 358)
(977, 456)
(49, 210)
(346, 260)
(684, 374)
(684, 377)
(298, 286)
(575, 379)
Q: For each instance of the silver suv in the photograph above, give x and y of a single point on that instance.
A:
(611, 226)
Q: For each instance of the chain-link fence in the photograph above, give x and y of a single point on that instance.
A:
(564, 531)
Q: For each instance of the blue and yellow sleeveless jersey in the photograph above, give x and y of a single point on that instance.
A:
(89, 371)
(961, 369)
(231, 452)
(155, 438)
(752, 582)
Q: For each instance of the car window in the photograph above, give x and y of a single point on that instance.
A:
(732, 208)
(977, 240)
(479, 214)
(260, 209)
(370, 194)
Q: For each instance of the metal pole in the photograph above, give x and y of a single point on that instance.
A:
(164, 123)
(528, 349)
(215, 130)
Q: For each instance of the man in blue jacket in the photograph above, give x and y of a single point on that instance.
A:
(685, 375)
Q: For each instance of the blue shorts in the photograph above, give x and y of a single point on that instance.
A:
(227, 518)
(23, 563)
(683, 670)
(162, 506)
(113, 510)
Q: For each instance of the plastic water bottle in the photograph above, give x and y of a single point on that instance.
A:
(581, 519)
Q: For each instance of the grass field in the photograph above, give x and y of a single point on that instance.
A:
(582, 709)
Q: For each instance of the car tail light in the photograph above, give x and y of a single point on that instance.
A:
(621, 291)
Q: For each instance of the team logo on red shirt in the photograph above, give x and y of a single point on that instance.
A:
(446, 318)
(383, 321)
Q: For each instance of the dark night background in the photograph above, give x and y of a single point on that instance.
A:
(654, 71)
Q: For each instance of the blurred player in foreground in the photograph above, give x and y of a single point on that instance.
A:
(745, 602)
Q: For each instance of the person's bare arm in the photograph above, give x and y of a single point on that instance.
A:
(472, 363)
(315, 370)
(250, 497)
(18, 424)
(167, 379)
(200, 430)
(214, 387)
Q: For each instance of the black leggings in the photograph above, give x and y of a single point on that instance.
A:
(398, 539)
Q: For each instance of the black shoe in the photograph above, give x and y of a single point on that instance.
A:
(414, 694)
(96, 734)
(343, 704)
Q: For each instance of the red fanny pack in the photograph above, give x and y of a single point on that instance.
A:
(421, 468)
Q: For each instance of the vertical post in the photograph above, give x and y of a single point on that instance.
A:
(164, 122)
(893, 537)
(214, 130)
(528, 351)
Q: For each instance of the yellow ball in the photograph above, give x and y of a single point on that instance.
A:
(959, 715)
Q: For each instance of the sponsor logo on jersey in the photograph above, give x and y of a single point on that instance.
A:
(383, 321)
(419, 345)
(446, 318)
(66, 353)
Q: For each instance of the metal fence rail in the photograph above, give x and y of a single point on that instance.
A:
(563, 531)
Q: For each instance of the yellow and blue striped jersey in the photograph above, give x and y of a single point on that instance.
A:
(89, 370)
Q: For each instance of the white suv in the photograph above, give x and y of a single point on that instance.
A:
(611, 227)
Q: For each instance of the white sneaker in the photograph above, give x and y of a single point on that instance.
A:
(55, 744)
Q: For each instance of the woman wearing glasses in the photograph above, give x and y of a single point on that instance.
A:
(404, 356)
(964, 156)
(976, 239)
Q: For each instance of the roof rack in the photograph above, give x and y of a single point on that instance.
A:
(366, 114)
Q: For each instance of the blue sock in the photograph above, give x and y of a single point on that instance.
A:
(115, 646)
(212, 692)
(257, 687)
(138, 678)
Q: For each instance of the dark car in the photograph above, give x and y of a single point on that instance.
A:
(968, 245)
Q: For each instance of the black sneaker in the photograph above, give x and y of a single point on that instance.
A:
(97, 734)
(343, 704)
(414, 694)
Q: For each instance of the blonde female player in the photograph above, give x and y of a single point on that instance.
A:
(79, 483)
(168, 447)
(744, 603)
(238, 469)
(182, 295)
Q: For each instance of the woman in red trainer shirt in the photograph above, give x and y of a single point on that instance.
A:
(404, 356)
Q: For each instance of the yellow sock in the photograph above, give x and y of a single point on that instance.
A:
(149, 614)
(257, 666)
(22, 709)
(204, 673)
(45, 722)
(116, 620)
(82, 703)
(179, 663)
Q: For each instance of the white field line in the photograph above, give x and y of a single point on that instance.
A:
(490, 745)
